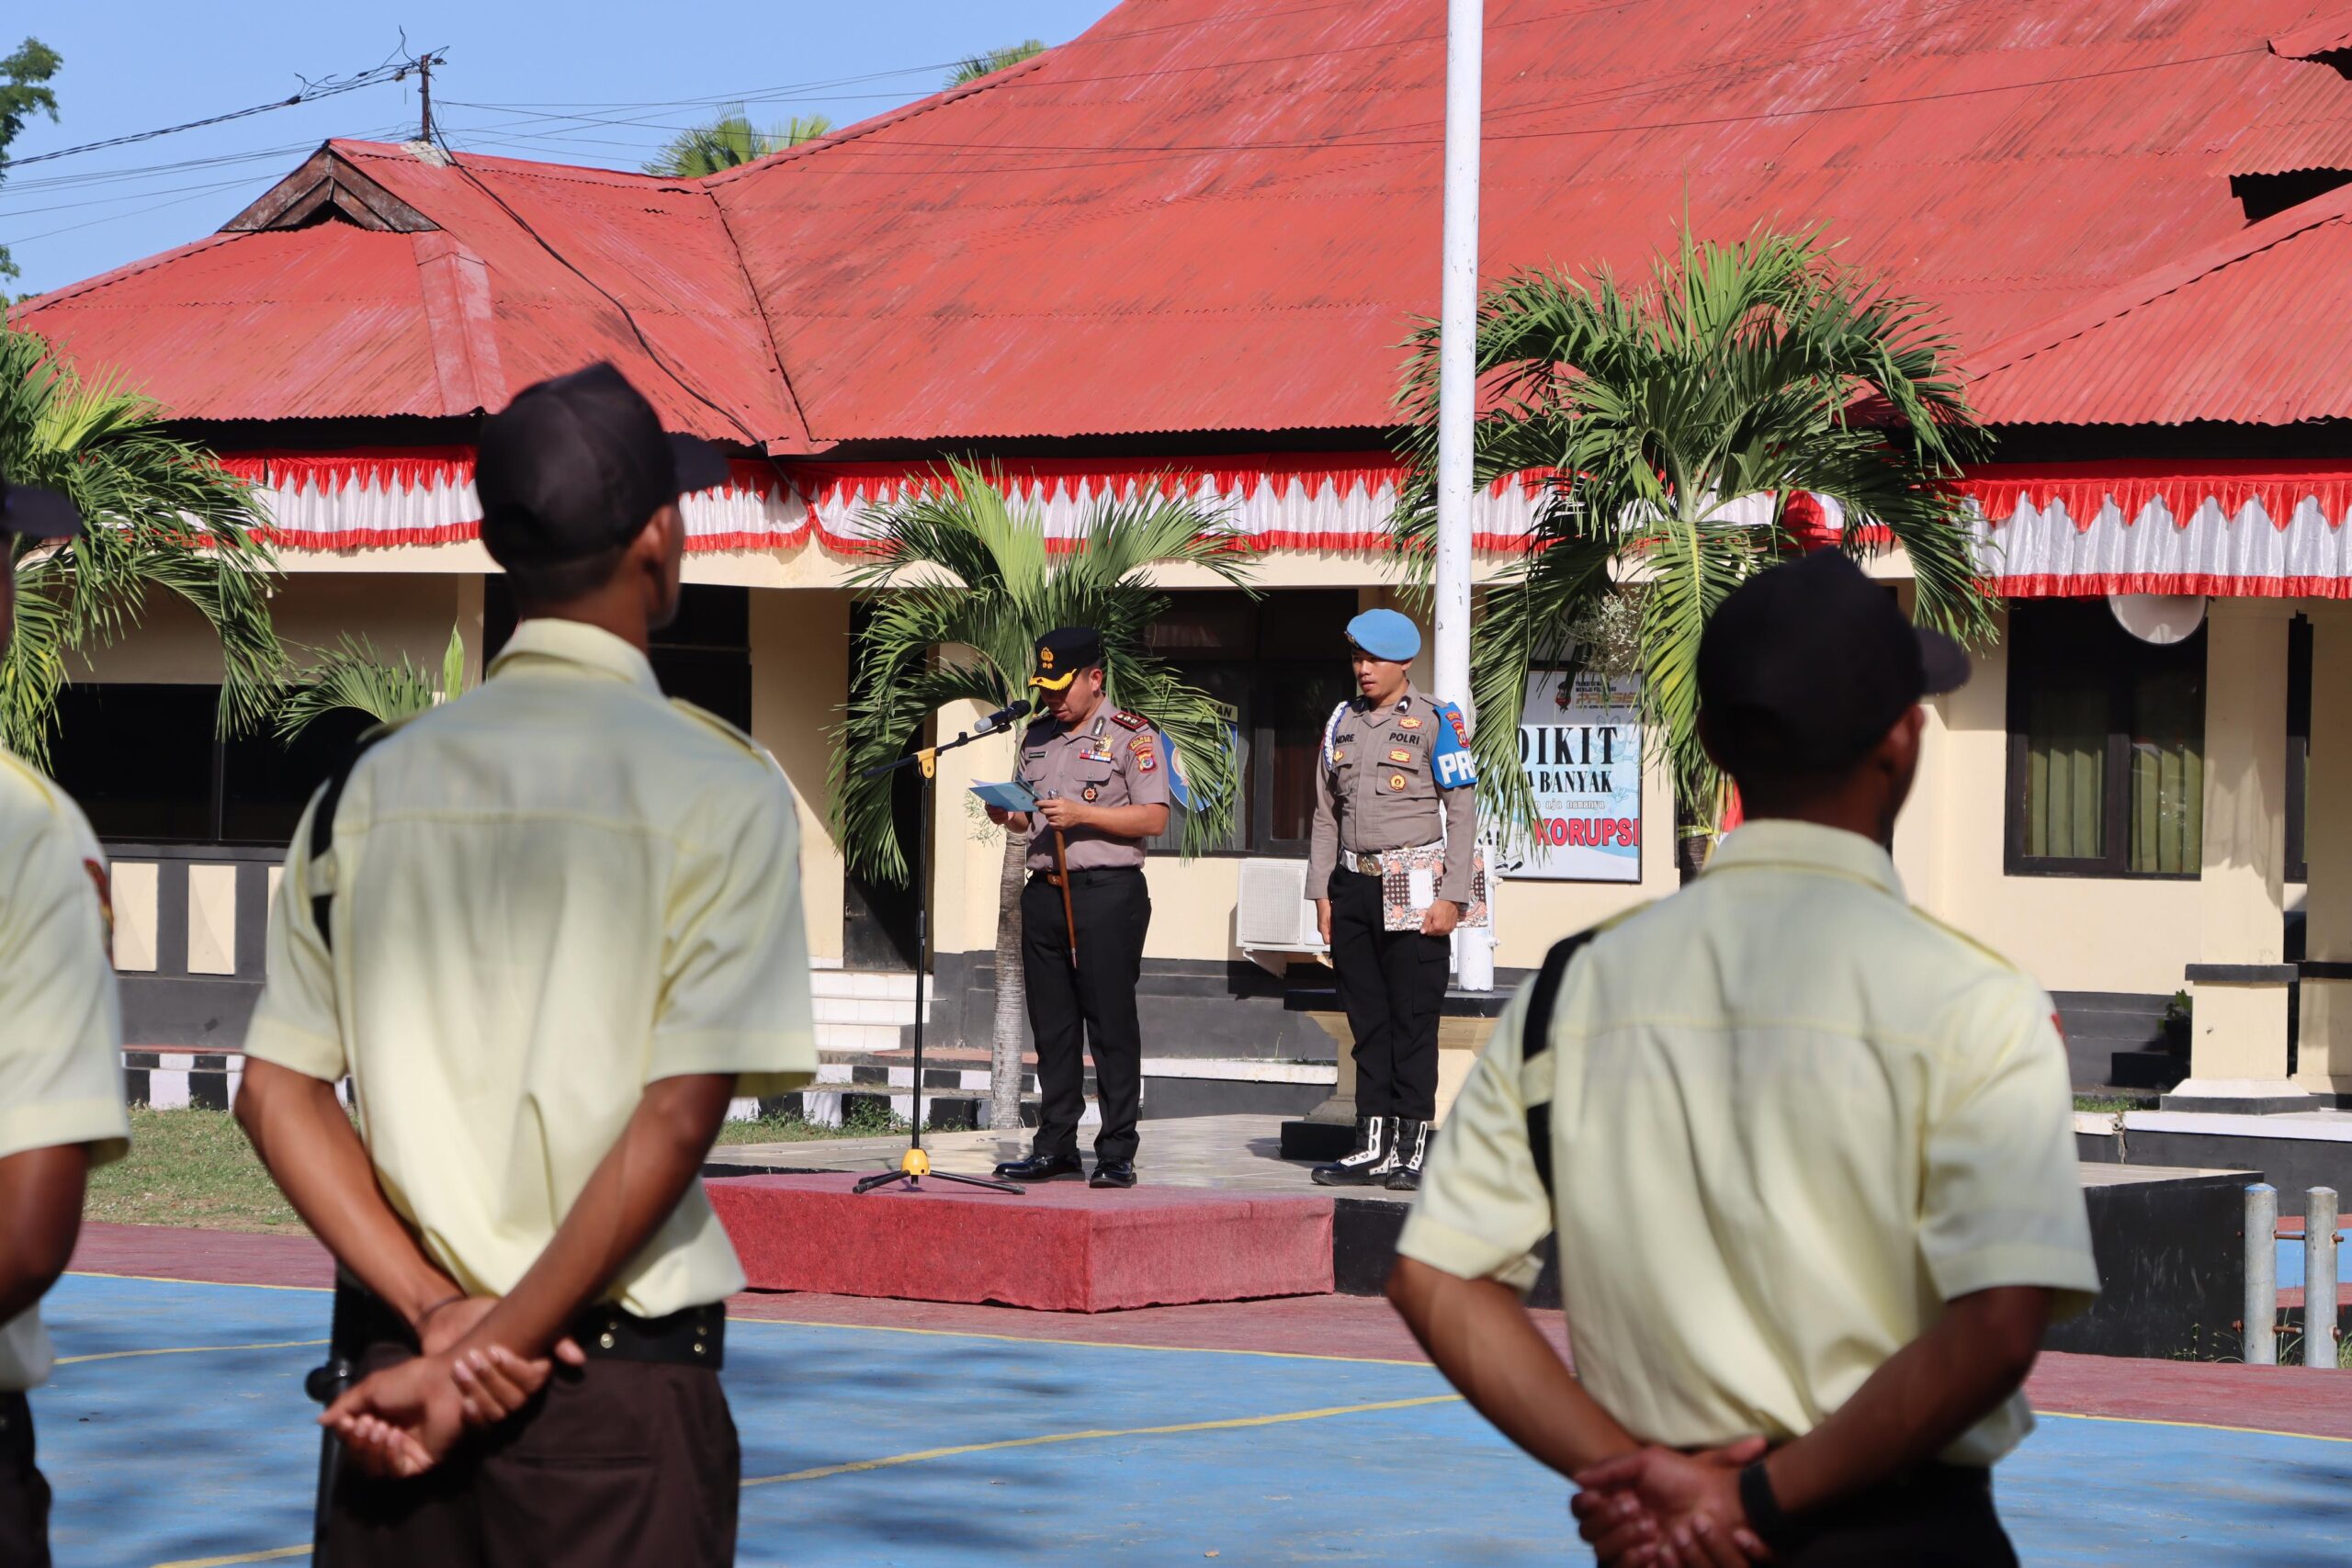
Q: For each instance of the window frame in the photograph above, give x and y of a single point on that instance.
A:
(2115, 783)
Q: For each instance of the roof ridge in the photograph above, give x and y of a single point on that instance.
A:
(2168, 278)
(883, 121)
(526, 168)
(2319, 34)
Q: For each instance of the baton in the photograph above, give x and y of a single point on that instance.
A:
(1062, 879)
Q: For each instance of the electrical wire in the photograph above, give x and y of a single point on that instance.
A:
(311, 93)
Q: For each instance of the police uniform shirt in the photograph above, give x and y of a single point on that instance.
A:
(1113, 758)
(60, 1029)
(1757, 1205)
(547, 894)
(1394, 778)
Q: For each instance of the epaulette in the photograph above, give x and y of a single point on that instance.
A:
(713, 721)
(1126, 720)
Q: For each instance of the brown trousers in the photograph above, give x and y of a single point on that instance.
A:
(619, 1465)
(1940, 1517)
(24, 1494)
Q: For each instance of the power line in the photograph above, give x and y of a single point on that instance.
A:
(311, 93)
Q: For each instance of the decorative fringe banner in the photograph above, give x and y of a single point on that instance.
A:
(2248, 529)
(2271, 527)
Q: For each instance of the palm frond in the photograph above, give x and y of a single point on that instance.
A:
(1730, 372)
(960, 583)
(353, 676)
(161, 516)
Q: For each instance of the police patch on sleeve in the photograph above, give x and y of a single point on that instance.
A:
(1450, 758)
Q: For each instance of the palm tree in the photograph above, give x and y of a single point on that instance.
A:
(160, 517)
(995, 60)
(962, 585)
(1739, 374)
(353, 677)
(729, 141)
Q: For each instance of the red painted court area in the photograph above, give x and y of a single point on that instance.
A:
(2292, 1400)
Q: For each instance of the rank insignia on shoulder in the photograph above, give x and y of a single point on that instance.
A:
(1408, 723)
(1126, 720)
(1400, 755)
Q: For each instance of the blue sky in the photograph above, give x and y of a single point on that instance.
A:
(141, 64)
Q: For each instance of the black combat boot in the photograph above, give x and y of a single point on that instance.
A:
(1412, 1152)
(1374, 1156)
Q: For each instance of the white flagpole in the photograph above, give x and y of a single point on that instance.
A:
(1457, 397)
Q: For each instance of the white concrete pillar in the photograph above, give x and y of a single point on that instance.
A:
(2238, 1051)
(2324, 1064)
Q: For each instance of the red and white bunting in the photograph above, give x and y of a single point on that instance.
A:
(2250, 529)
(362, 501)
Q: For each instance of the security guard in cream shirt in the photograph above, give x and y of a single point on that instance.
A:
(1785, 1128)
(61, 1111)
(554, 930)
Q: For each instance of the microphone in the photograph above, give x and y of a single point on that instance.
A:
(1004, 716)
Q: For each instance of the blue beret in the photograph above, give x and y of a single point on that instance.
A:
(1385, 634)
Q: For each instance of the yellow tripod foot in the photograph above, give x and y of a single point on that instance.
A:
(914, 1162)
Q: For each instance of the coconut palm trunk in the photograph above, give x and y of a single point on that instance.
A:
(1011, 991)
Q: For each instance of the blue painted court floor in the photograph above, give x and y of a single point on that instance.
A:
(176, 1432)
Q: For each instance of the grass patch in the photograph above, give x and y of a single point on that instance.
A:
(2110, 1102)
(864, 1119)
(189, 1167)
(194, 1167)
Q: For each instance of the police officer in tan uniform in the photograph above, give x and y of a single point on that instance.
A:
(60, 1058)
(1101, 780)
(1394, 781)
(549, 930)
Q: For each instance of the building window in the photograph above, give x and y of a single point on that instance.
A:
(2107, 746)
(1281, 660)
(2298, 745)
(704, 655)
(146, 765)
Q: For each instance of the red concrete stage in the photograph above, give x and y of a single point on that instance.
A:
(1061, 1246)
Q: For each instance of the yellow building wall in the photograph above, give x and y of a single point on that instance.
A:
(799, 678)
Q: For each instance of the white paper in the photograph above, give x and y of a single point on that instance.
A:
(1420, 886)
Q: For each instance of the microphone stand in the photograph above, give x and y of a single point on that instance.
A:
(915, 1164)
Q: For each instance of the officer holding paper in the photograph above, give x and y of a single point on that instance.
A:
(1102, 789)
(1389, 867)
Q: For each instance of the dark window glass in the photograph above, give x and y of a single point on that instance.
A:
(1281, 660)
(704, 655)
(139, 758)
(2107, 745)
(265, 782)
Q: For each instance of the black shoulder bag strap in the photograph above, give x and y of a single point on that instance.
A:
(1535, 1038)
(323, 828)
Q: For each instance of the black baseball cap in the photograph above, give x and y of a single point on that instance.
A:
(578, 464)
(1062, 653)
(1808, 665)
(36, 514)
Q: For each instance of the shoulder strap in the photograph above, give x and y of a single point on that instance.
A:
(1536, 1038)
(323, 827)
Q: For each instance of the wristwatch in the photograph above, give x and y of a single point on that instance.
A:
(1772, 1527)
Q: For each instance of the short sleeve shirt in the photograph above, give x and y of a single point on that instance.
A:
(545, 894)
(61, 1029)
(1113, 759)
(1789, 1118)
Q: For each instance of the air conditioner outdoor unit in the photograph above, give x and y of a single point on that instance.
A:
(1275, 915)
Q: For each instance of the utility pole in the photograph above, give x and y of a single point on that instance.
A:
(424, 93)
(1457, 396)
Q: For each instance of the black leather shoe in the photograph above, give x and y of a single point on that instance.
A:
(1040, 1167)
(1112, 1173)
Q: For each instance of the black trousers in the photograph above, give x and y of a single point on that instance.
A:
(1942, 1516)
(1392, 984)
(24, 1493)
(617, 1464)
(1114, 910)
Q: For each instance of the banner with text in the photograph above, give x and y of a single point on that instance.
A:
(1581, 741)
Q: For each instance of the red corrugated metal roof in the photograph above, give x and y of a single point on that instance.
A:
(1223, 214)
(2251, 331)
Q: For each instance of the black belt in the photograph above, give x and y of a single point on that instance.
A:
(1091, 875)
(692, 1336)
